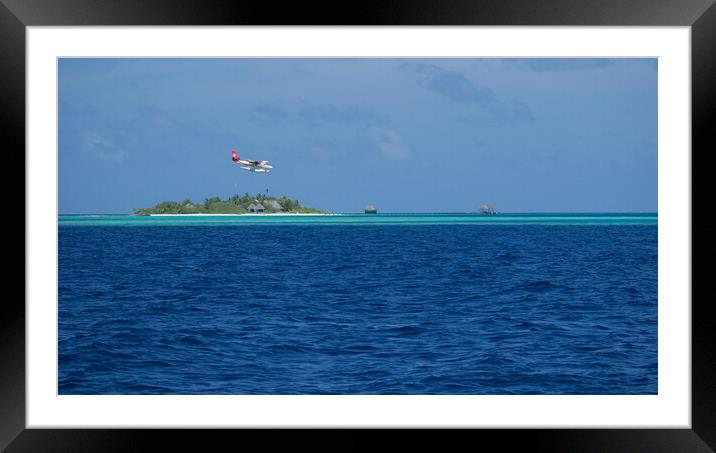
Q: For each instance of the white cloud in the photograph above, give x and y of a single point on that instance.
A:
(390, 143)
(102, 148)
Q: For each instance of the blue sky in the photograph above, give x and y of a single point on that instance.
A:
(408, 135)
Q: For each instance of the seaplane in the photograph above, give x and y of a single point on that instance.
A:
(255, 166)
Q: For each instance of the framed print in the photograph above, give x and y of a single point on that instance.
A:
(483, 220)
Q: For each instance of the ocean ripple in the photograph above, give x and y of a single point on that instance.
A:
(358, 309)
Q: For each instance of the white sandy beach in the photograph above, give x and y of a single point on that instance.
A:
(236, 215)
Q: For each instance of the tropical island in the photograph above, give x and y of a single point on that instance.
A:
(246, 204)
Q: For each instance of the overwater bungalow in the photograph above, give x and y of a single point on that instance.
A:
(370, 209)
(487, 209)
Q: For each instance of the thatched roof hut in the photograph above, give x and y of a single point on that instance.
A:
(273, 204)
(256, 207)
(487, 209)
(370, 209)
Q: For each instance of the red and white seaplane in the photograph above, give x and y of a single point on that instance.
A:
(256, 166)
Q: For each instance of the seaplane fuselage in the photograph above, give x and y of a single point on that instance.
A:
(255, 166)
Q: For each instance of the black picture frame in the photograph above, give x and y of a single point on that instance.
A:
(16, 15)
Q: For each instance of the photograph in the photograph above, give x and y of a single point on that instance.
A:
(357, 226)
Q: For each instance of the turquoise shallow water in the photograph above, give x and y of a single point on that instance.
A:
(363, 219)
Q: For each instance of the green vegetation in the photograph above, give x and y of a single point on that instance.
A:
(232, 205)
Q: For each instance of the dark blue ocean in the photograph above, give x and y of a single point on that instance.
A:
(332, 306)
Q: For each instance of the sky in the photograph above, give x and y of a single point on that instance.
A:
(407, 135)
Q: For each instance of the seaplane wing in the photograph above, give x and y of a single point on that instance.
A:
(256, 170)
(256, 166)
